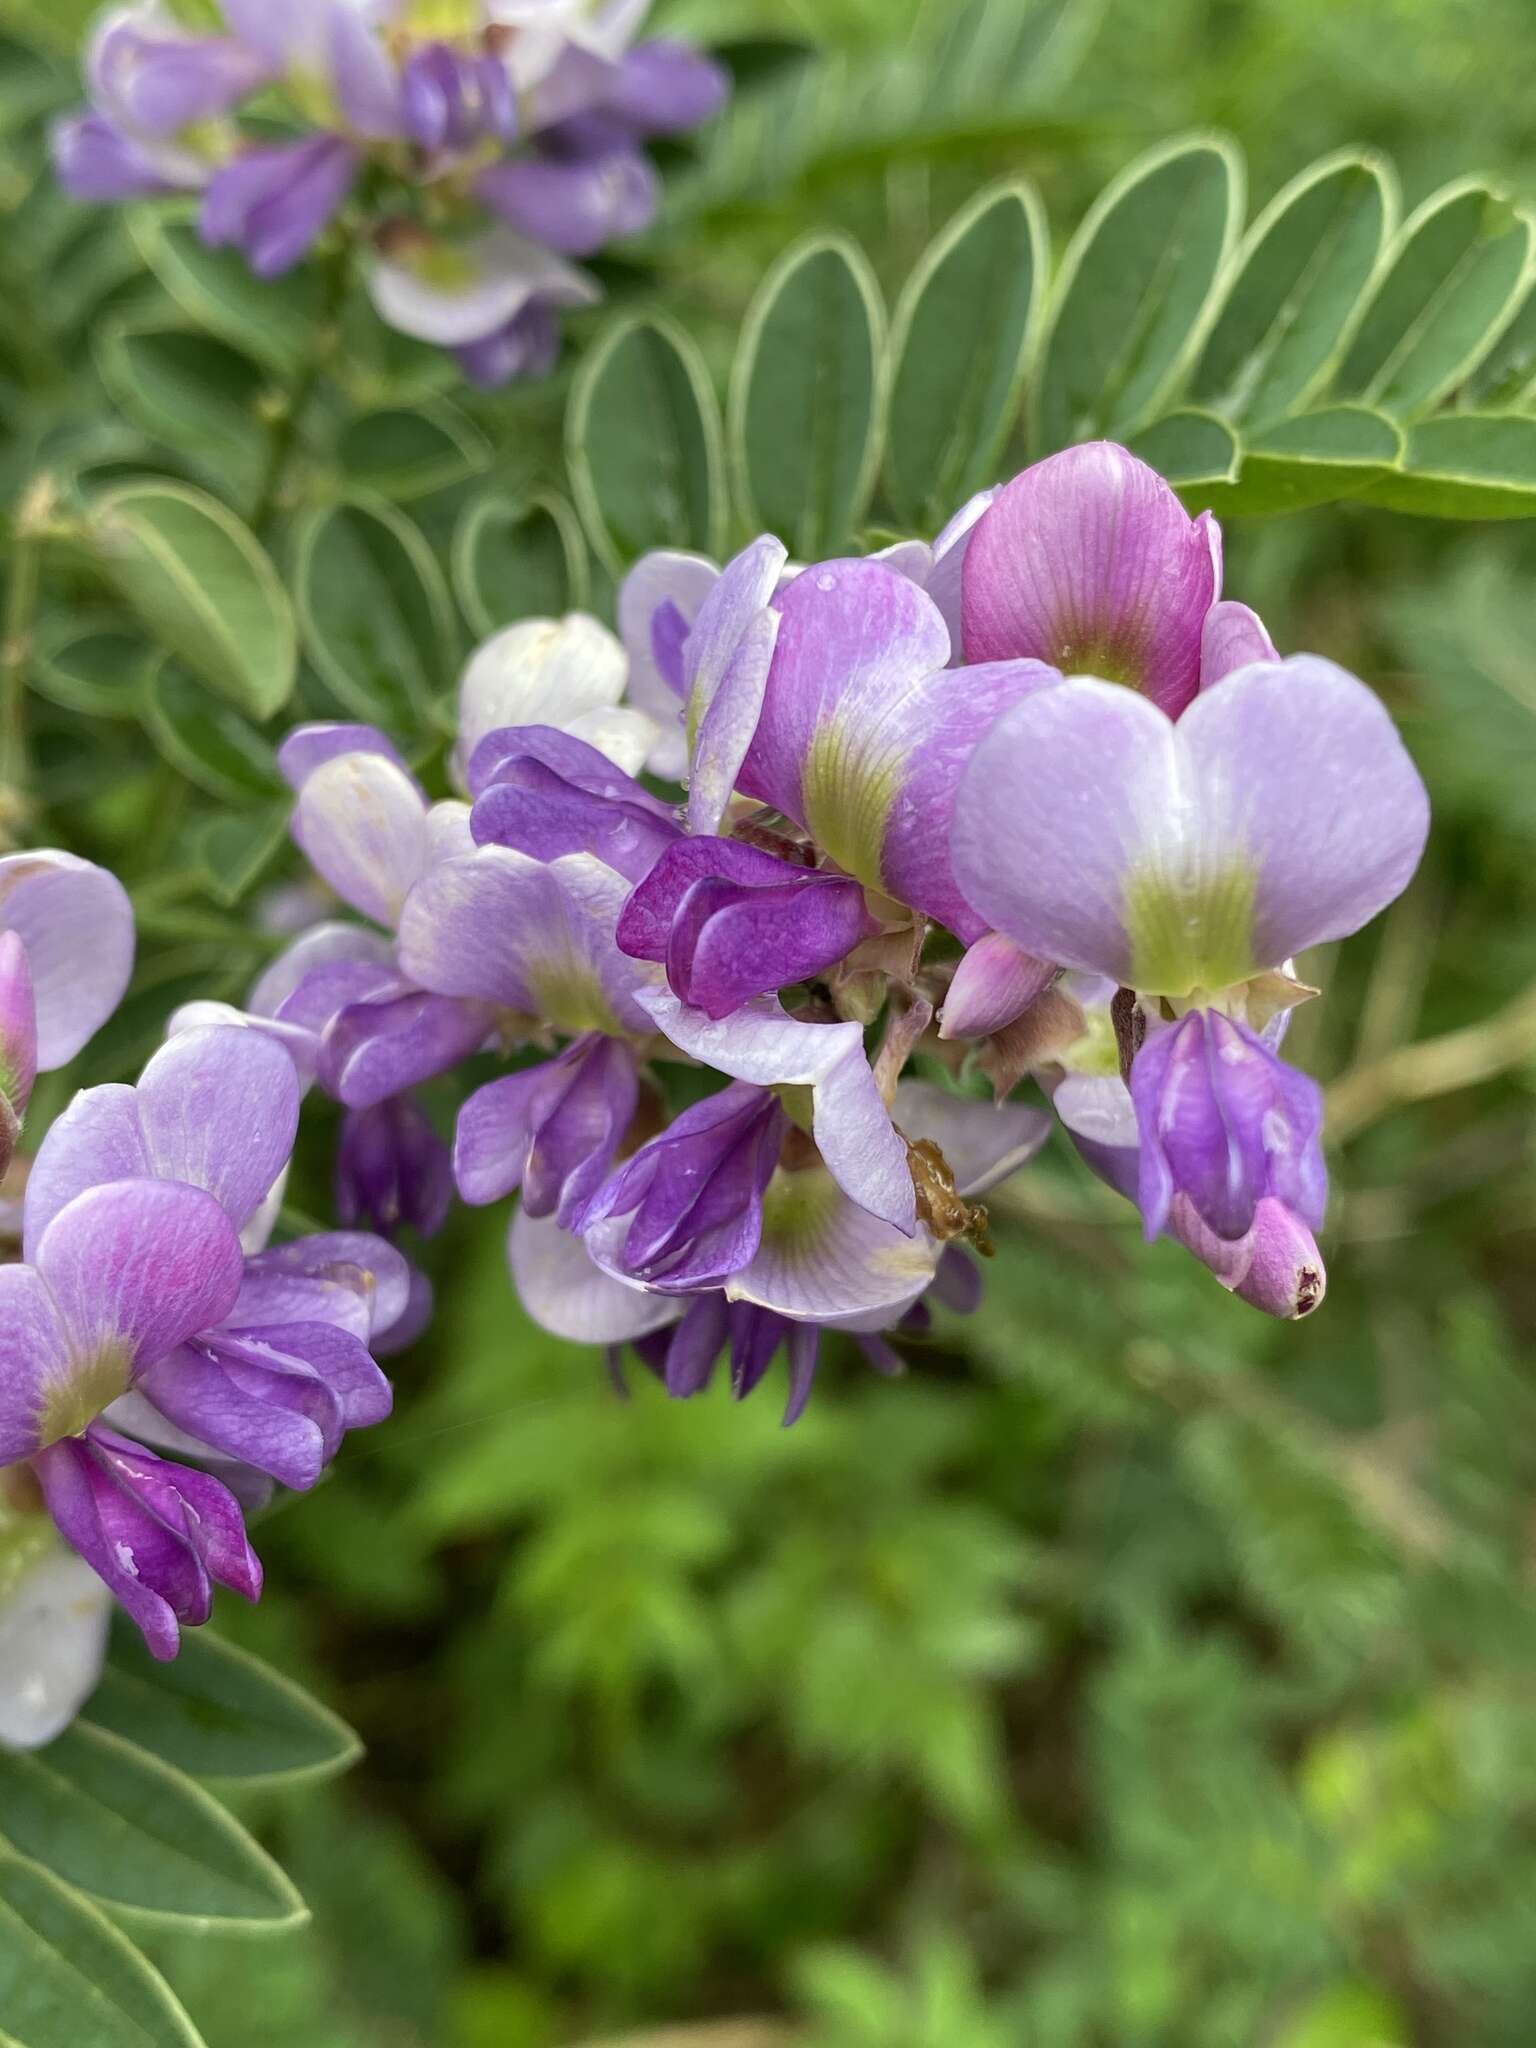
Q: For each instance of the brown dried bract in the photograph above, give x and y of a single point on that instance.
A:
(945, 1212)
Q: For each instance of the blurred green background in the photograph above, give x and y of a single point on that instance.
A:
(1135, 1673)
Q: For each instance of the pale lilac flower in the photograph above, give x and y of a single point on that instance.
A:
(77, 926)
(1281, 811)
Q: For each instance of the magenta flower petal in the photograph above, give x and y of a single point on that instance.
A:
(77, 925)
(1281, 811)
(137, 1267)
(1089, 562)
(362, 823)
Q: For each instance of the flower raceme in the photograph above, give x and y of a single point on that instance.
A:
(526, 128)
(1034, 801)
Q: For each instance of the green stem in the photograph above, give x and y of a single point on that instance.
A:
(32, 518)
(336, 276)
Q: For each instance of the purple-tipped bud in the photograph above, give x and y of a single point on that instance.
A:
(18, 1041)
(1224, 1122)
(392, 1169)
(552, 1130)
(274, 204)
(732, 922)
(687, 1210)
(158, 1535)
(994, 984)
(1275, 1267)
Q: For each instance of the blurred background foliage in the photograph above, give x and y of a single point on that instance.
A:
(1135, 1672)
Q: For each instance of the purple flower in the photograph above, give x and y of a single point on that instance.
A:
(864, 731)
(730, 922)
(457, 294)
(392, 1169)
(658, 602)
(552, 1130)
(274, 204)
(727, 659)
(687, 1210)
(152, 79)
(159, 1535)
(664, 87)
(1089, 562)
(545, 793)
(573, 200)
(1280, 812)
(95, 160)
(527, 346)
(266, 1363)
(1225, 1122)
(452, 102)
(684, 1357)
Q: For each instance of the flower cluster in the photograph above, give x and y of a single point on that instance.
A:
(162, 1365)
(483, 144)
(1032, 801)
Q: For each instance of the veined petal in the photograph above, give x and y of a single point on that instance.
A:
(1232, 638)
(527, 936)
(37, 1366)
(1089, 562)
(850, 1122)
(994, 983)
(76, 923)
(362, 823)
(321, 946)
(97, 1138)
(825, 1259)
(568, 1295)
(219, 1109)
(137, 1267)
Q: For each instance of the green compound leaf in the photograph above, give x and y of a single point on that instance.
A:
(403, 452)
(1466, 466)
(806, 397)
(217, 1712)
(518, 559)
(273, 319)
(1506, 377)
(1452, 282)
(69, 1979)
(1295, 286)
(190, 390)
(1190, 448)
(960, 344)
(203, 584)
(643, 445)
(208, 742)
(1338, 452)
(1134, 294)
(374, 610)
(137, 1835)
